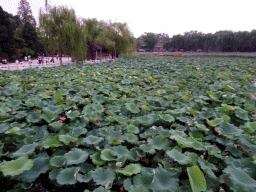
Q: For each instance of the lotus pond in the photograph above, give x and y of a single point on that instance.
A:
(146, 124)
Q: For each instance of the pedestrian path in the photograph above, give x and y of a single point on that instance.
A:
(34, 63)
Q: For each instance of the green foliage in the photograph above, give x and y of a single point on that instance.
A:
(196, 178)
(107, 138)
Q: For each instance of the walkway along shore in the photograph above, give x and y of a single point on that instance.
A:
(65, 61)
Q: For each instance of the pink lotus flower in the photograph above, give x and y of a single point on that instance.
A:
(73, 80)
(97, 121)
(250, 68)
(171, 68)
(219, 132)
(204, 153)
(63, 118)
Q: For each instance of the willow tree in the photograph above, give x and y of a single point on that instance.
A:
(61, 31)
(117, 38)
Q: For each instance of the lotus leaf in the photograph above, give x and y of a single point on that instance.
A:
(76, 156)
(16, 167)
(67, 176)
(102, 177)
(196, 178)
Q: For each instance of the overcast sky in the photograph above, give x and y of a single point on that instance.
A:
(163, 16)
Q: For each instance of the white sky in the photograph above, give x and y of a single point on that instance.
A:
(162, 16)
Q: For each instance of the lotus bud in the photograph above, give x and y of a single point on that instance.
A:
(154, 172)
(224, 95)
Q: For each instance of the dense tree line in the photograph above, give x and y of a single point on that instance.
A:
(18, 36)
(60, 31)
(221, 41)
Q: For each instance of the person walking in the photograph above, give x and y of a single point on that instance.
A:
(26, 59)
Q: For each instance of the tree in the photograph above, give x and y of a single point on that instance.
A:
(150, 40)
(61, 31)
(25, 13)
(30, 36)
(7, 45)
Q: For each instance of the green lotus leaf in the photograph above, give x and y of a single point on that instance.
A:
(92, 140)
(96, 159)
(76, 156)
(179, 157)
(212, 150)
(149, 148)
(79, 131)
(21, 114)
(166, 117)
(84, 178)
(33, 118)
(207, 167)
(144, 179)
(215, 122)
(159, 142)
(58, 97)
(73, 114)
(131, 138)
(225, 117)
(133, 129)
(31, 102)
(51, 141)
(25, 150)
(53, 108)
(4, 127)
(145, 108)
(107, 155)
(67, 176)
(130, 169)
(49, 116)
(98, 107)
(120, 120)
(164, 180)
(29, 140)
(132, 107)
(5, 109)
(44, 95)
(196, 178)
(249, 127)
(57, 161)
(41, 165)
(56, 125)
(9, 92)
(240, 180)
(64, 91)
(229, 129)
(146, 120)
(13, 103)
(121, 152)
(67, 138)
(102, 177)
(229, 108)
(140, 188)
(242, 114)
(53, 174)
(202, 127)
(16, 167)
(183, 142)
(86, 167)
(98, 99)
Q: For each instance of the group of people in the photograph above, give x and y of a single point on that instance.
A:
(27, 60)
(41, 60)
